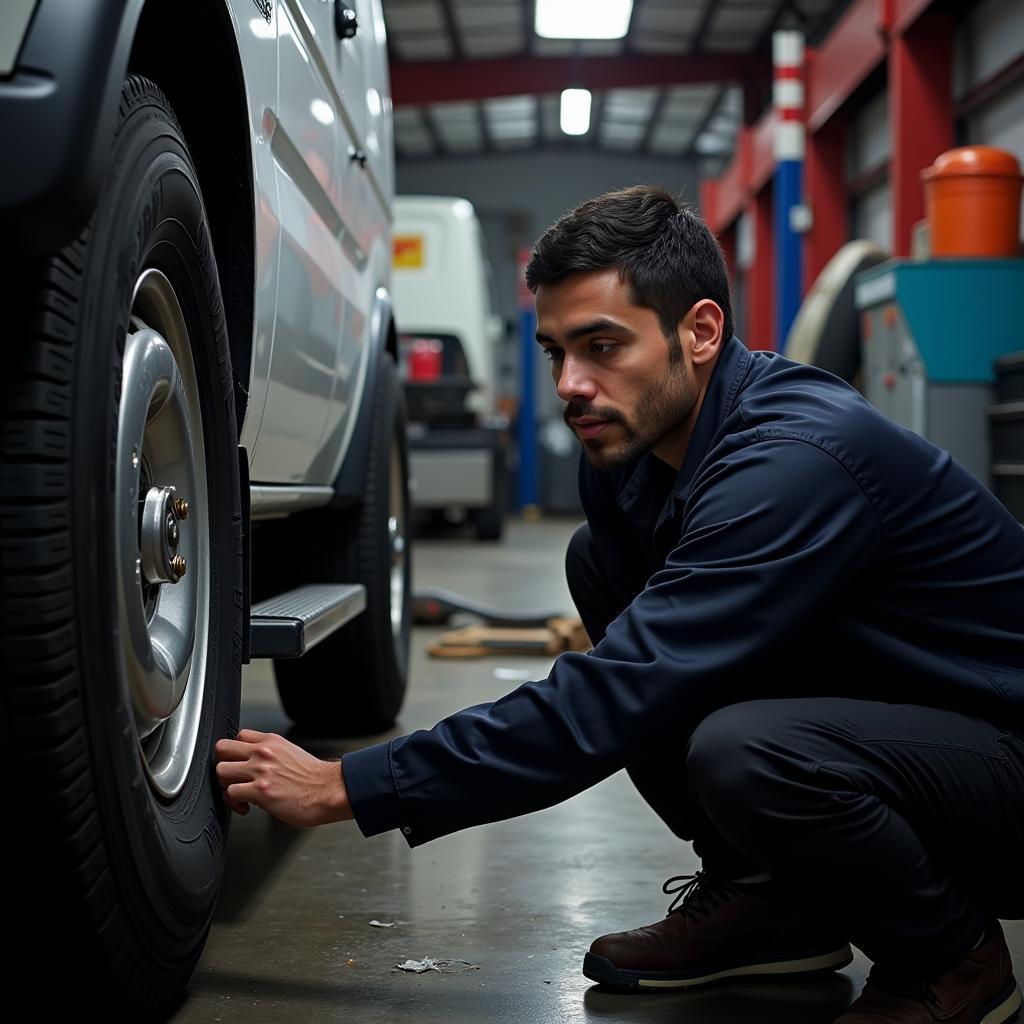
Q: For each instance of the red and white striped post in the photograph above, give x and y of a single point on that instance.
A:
(788, 97)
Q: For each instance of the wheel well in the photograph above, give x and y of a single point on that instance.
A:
(391, 345)
(188, 48)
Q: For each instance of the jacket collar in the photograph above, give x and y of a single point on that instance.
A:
(719, 398)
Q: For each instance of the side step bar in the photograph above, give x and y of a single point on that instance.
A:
(288, 625)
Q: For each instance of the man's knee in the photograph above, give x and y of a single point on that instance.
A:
(740, 754)
(717, 756)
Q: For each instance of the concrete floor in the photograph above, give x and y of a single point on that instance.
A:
(521, 899)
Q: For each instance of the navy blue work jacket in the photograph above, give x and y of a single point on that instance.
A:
(808, 546)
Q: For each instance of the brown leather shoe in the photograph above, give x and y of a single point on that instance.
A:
(716, 930)
(980, 990)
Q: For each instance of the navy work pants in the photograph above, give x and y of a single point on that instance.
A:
(906, 821)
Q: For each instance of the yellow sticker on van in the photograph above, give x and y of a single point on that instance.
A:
(408, 251)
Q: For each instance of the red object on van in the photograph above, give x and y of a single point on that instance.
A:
(425, 360)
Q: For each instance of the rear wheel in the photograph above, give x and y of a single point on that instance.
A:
(121, 578)
(489, 521)
(354, 682)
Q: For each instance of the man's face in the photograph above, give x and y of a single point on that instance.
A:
(625, 391)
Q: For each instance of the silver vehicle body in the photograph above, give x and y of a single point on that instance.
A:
(323, 168)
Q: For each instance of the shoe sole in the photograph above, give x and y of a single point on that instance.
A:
(1007, 1008)
(604, 972)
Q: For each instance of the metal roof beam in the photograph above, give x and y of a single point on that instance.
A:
(705, 121)
(529, 18)
(596, 117)
(453, 32)
(430, 124)
(629, 40)
(421, 82)
(705, 24)
(652, 121)
(560, 148)
(485, 131)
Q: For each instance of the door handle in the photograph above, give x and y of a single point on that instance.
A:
(345, 23)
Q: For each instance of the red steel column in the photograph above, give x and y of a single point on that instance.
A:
(727, 240)
(920, 115)
(760, 279)
(825, 185)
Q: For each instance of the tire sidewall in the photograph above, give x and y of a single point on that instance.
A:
(167, 856)
(392, 651)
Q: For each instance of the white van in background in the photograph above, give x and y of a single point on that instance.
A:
(449, 328)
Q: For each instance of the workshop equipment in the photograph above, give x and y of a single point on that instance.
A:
(1006, 418)
(972, 198)
(556, 637)
(437, 607)
(930, 334)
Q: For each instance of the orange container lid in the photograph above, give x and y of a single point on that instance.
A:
(973, 161)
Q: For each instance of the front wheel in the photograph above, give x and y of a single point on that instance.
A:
(121, 579)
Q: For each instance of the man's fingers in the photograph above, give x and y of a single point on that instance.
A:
(233, 750)
(233, 771)
(252, 736)
(243, 793)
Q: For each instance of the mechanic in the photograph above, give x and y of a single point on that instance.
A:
(809, 653)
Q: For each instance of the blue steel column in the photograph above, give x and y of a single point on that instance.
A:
(787, 190)
(528, 492)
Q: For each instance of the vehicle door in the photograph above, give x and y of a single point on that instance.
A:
(358, 60)
(309, 147)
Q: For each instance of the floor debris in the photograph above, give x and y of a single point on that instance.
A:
(516, 675)
(429, 963)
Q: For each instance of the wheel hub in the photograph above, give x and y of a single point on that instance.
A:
(160, 536)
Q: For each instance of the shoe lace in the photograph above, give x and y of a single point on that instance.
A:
(695, 895)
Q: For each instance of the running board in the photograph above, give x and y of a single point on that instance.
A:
(288, 625)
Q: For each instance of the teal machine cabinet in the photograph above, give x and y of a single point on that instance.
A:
(930, 334)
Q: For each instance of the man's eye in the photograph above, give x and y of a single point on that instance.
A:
(601, 347)
(551, 354)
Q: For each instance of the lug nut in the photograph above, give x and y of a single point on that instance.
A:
(181, 508)
(173, 536)
(178, 566)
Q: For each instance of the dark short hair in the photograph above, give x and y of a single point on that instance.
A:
(662, 249)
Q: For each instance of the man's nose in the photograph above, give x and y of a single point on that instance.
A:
(575, 382)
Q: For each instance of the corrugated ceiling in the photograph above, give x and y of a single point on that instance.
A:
(672, 122)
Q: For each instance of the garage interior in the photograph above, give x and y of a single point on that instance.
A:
(818, 139)
(312, 926)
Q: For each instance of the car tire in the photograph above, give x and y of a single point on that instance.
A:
(489, 521)
(354, 682)
(120, 677)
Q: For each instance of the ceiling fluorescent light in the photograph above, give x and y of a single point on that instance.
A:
(582, 19)
(575, 112)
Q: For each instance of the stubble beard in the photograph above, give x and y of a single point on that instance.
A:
(661, 409)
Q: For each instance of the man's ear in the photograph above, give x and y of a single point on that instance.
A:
(706, 321)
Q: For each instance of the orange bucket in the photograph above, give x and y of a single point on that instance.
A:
(972, 197)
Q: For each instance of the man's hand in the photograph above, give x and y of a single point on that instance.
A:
(267, 770)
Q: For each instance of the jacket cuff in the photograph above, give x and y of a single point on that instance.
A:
(375, 801)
